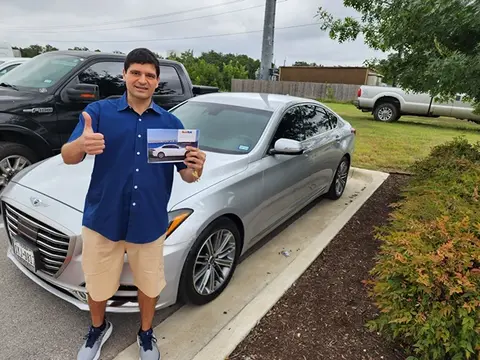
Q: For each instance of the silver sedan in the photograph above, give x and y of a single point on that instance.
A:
(268, 156)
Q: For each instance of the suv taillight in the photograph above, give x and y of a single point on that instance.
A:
(359, 92)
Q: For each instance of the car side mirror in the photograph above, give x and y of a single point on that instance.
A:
(84, 93)
(287, 147)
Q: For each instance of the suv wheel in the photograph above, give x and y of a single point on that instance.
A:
(13, 158)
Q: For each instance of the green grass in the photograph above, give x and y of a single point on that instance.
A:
(396, 146)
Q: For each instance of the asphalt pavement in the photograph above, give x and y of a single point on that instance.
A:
(35, 325)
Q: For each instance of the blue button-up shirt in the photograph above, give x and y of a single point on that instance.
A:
(127, 197)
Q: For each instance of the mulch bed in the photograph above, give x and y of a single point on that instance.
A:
(323, 315)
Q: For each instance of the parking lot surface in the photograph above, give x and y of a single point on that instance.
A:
(35, 325)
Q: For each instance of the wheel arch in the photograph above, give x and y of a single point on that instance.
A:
(27, 138)
(388, 99)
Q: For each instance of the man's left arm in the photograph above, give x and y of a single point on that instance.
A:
(192, 167)
(194, 161)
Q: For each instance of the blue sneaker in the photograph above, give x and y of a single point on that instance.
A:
(148, 345)
(94, 341)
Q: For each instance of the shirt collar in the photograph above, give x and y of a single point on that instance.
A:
(123, 104)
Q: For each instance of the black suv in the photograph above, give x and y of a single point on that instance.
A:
(41, 100)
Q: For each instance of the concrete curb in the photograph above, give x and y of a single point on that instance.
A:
(225, 342)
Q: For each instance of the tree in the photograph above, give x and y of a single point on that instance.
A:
(433, 46)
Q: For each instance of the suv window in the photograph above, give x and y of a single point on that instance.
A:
(170, 83)
(107, 75)
(299, 123)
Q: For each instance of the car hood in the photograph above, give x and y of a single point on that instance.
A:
(69, 183)
(13, 100)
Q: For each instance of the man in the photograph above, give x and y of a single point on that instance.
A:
(126, 204)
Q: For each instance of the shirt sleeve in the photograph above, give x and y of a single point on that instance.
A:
(180, 165)
(93, 110)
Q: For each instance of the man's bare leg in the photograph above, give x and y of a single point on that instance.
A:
(97, 311)
(147, 309)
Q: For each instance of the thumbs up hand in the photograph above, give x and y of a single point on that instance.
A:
(93, 143)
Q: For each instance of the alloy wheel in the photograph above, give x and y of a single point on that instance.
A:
(342, 175)
(214, 262)
(11, 166)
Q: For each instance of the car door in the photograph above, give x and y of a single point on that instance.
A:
(170, 91)
(286, 179)
(325, 149)
(107, 74)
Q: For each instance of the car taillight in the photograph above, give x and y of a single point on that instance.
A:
(353, 131)
(359, 92)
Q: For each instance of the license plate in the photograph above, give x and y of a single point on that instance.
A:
(24, 253)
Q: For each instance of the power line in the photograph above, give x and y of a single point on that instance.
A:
(160, 23)
(124, 20)
(178, 38)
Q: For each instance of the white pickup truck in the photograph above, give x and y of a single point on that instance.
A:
(389, 103)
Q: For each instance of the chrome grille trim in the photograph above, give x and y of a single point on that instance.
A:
(54, 246)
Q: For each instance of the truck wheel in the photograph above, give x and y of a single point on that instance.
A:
(13, 158)
(386, 112)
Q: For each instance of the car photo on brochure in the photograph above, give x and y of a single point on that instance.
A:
(169, 145)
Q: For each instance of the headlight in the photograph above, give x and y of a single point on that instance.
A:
(177, 217)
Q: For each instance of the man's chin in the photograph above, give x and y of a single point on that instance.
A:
(141, 95)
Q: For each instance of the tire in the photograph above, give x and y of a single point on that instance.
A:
(10, 150)
(386, 112)
(161, 155)
(187, 289)
(334, 193)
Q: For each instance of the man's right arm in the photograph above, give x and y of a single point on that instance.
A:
(73, 152)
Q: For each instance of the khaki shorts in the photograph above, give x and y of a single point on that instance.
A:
(103, 260)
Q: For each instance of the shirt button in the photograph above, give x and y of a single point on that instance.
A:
(139, 135)
(136, 170)
(135, 187)
(139, 119)
(134, 204)
(138, 152)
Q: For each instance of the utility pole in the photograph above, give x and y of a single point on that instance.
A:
(268, 36)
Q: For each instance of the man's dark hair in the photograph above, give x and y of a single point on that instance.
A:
(142, 56)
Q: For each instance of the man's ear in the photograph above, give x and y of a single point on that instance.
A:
(124, 74)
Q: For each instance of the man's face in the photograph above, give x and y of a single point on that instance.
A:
(141, 80)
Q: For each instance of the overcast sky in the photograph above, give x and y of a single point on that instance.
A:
(66, 23)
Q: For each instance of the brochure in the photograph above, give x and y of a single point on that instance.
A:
(168, 145)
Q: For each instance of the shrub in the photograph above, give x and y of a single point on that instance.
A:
(426, 282)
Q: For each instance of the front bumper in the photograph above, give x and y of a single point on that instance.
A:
(66, 280)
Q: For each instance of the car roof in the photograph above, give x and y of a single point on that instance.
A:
(88, 54)
(260, 101)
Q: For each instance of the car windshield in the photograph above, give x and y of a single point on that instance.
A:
(224, 128)
(41, 72)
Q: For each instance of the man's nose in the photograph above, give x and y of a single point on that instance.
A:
(143, 78)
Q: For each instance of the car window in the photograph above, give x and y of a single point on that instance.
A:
(42, 72)
(224, 128)
(107, 75)
(299, 123)
(7, 69)
(169, 83)
(327, 120)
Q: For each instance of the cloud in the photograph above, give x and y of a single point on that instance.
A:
(109, 25)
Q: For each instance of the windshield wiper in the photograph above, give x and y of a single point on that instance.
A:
(9, 86)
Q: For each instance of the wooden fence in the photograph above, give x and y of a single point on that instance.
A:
(337, 92)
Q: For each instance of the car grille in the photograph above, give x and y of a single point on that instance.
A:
(52, 244)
